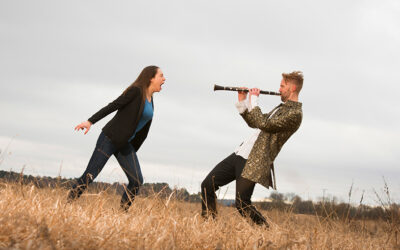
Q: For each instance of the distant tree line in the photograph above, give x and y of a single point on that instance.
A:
(331, 208)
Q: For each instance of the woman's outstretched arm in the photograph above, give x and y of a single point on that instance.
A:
(118, 103)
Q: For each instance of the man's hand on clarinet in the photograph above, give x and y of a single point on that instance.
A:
(242, 95)
(254, 91)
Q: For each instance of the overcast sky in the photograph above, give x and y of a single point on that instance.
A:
(61, 62)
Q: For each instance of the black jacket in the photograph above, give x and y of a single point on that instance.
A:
(123, 125)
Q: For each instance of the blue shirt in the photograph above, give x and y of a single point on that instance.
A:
(147, 115)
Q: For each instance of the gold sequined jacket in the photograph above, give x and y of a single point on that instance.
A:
(275, 131)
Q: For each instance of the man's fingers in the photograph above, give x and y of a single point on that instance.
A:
(255, 89)
(241, 91)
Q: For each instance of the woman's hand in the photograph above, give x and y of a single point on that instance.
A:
(242, 95)
(84, 125)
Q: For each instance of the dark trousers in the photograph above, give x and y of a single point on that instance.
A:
(128, 161)
(226, 171)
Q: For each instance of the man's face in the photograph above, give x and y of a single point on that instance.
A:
(285, 90)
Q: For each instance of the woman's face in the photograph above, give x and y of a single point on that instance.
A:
(157, 81)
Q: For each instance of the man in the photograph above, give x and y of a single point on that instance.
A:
(253, 161)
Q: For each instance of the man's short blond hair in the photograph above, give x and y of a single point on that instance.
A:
(295, 77)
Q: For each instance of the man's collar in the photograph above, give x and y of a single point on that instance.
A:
(293, 104)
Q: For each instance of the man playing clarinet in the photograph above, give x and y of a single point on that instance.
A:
(253, 161)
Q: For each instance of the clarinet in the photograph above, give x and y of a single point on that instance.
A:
(217, 87)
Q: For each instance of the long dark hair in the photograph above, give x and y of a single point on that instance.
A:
(143, 80)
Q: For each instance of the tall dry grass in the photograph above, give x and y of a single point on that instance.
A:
(32, 218)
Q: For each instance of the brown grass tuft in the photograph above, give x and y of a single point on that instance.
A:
(32, 218)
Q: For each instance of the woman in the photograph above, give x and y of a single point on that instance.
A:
(123, 135)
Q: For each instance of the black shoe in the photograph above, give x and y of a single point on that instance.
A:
(208, 215)
(262, 222)
(71, 196)
(125, 206)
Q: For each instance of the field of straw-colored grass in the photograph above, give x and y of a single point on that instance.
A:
(32, 218)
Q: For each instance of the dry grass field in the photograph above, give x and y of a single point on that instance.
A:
(32, 218)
